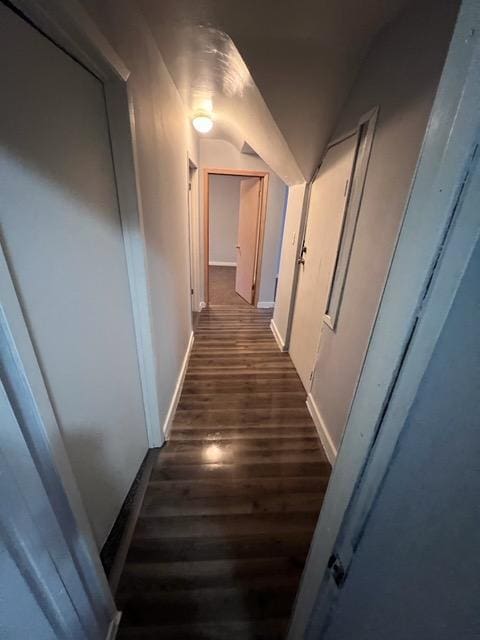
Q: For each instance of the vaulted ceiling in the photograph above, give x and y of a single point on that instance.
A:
(284, 66)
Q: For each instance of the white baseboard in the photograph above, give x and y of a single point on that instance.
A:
(326, 440)
(215, 263)
(178, 389)
(113, 626)
(276, 335)
(265, 305)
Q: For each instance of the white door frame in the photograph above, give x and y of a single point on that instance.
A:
(432, 252)
(368, 119)
(264, 177)
(68, 24)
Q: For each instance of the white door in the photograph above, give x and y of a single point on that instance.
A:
(60, 230)
(328, 201)
(248, 218)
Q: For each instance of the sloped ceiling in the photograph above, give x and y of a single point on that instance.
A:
(303, 56)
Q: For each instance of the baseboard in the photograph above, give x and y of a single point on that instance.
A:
(216, 263)
(113, 626)
(276, 335)
(265, 305)
(114, 551)
(178, 389)
(326, 440)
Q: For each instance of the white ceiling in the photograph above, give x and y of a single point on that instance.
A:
(294, 60)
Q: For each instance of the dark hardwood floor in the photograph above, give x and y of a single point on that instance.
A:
(225, 527)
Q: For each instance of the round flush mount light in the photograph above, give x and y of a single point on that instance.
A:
(202, 123)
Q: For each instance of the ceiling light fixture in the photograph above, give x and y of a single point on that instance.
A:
(202, 123)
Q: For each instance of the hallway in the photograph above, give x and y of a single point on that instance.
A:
(230, 509)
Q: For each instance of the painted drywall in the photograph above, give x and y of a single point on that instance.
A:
(164, 140)
(303, 56)
(62, 237)
(288, 258)
(222, 154)
(419, 550)
(224, 200)
(400, 75)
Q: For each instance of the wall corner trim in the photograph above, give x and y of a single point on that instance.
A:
(178, 389)
(277, 336)
(113, 626)
(325, 438)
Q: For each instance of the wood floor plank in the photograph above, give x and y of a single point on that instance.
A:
(281, 545)
(208, 605)
(254, 444)
(246, 504)
(221, 471)
(250, 572)
(222, 416)
(244, 630)
(254, 488)
(272, 431)
(214, 454)
(233, 499)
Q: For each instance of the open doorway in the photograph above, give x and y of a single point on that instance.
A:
(235, 207)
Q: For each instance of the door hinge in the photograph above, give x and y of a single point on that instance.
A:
(253, 287)
(336, 570)
(191, 292)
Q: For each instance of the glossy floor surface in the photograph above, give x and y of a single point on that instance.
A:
(233, 499)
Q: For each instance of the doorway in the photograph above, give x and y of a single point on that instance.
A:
(234, 212)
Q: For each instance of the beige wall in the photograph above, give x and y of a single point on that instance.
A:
(400, 75)
(164, 138)
(222, 154)
(224, 201)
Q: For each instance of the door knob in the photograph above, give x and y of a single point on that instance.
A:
(301, 259)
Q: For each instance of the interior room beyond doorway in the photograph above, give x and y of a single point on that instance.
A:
(235, 220)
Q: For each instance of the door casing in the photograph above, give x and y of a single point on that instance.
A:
(264, 176)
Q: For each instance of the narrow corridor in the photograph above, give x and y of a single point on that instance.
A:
(233, 499)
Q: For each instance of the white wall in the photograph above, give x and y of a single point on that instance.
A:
(419, 550)
(222, 154)
(224, 203)
(400, 75)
